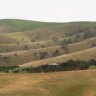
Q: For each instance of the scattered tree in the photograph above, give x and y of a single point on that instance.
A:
(43, 55)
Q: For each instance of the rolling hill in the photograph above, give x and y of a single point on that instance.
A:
(81, 55)
(21, 39)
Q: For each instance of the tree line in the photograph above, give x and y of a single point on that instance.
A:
(65, 66)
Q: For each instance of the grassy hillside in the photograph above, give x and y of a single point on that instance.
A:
(74, 83)
(73, 47)
(26, 31)
(80, 55)
(7, 40)
(25, 56)
(24, 38)
(17, 47)
(82, 45)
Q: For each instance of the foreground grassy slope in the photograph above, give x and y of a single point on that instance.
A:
(72, 83)
(80, 55)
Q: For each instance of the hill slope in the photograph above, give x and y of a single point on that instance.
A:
(19, 35)
(74, 83)
(80, 55)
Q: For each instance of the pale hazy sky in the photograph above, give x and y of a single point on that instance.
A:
(49, 10)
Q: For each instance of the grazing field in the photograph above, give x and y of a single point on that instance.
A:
(72, 83)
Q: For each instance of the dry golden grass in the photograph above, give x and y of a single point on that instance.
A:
(70, 83)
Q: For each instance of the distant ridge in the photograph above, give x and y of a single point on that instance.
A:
(15, 25)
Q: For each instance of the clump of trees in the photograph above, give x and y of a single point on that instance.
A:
(56, 39)
(42, 46)
(8, 69)
(16, 55)
(89, 33)
(56, 53)
(35, 54)
(38, 36)
(64, 45)
(26, 47)
(5, 58)
(65, 66)
(77, 38)
(33, 40)
(43, 55)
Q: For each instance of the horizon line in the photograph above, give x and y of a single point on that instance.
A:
(71, 21)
